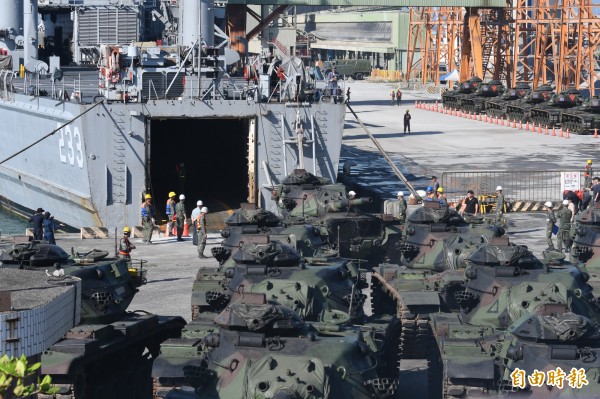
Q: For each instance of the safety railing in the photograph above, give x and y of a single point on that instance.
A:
(516, 185)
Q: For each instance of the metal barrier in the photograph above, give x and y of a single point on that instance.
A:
(530, 186)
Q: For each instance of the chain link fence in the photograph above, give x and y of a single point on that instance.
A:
(529, 186)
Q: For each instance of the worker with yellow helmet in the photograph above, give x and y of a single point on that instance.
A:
(442, 197)
(148, 214)
(170, 211)
(125, 246)
(588, 174)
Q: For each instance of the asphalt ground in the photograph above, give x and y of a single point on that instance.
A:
(437, 143)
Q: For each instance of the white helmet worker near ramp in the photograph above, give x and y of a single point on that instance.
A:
(181, 218)
(202, 232)
(195, 216)
(500, 204)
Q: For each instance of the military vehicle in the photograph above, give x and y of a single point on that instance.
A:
(110, 352)
(259, 300)
(357, 69)
(262, 350)
(500, 284)
(584, 119)
(548, 114)
(586, 244)
(496, 107)
(521, 362)
(519, 111)
(475, 103)
(451, 99)
(423, 236)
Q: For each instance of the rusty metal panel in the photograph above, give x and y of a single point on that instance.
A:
(379, 3)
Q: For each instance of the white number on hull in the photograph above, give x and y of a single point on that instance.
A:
(66, 146)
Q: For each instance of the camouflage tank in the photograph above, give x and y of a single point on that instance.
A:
(262, 350)
(586, 244)
(329, 292)
(499, 285)
(519, 111)
(254, 225)
(475, 103)
(496, 107)
(584, 119)
(426, 229)
(548, 114)
(109, 354)
(474, 361)
(451, 99)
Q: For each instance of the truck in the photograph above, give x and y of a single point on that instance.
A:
(358, 69)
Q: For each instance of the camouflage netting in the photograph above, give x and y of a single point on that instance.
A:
(300, 176)
(259, 217)
(269, 377)
(568, 327)
(262, 317)
(495, 255)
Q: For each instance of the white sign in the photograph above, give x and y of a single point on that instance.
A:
(570, 181)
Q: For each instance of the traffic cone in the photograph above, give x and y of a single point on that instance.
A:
(485, 118)
(514, 124)
(174, 231)
(546, 132)
(540, 128)
(185, 230)
(553, 131)
(560, 133)
(520, 125)
(595, 133)
(567, 136)
(416, 104)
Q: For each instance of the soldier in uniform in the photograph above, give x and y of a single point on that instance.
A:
(202, 231)
(170, 210)
(148, 214)
(564, 217)
(550, 222)
(125, 246)
(442, 197)
(181, 217)
(195, 216)
(401, 207)
(499, 204)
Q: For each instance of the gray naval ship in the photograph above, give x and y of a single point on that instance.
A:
(193, 117)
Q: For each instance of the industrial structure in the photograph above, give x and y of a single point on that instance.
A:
(534, 41)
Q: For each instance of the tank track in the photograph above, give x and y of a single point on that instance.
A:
(415, 335)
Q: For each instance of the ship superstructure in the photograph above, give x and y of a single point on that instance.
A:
(191, 118)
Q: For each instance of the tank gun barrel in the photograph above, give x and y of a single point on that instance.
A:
(343, 204)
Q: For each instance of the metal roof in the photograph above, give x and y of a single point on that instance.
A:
(379, 3)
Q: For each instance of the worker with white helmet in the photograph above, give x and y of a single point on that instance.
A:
(564, 217)
(181, 218)
(499, 204)
(401, 207)
(202, 232)
(195, 216)
(351, 194)
(550, 224)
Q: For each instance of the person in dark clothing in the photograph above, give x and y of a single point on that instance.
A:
(407, 121)
(470, 205)
(38, 221)
(596, 190)
(587, 198)
(49, 228)
(348, 95)
(571, 196)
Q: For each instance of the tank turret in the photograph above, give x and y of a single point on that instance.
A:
(548, 114)
(520, 110)
(451, 99)
(475, 103)
(496, 107)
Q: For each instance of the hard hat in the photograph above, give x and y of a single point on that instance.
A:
(199, 203)
(429, 188)
(440, 190)
(204, 210)
(172, 194)
(548, 204)
(589, 161)
(400, 194)
(499, 188)
(565, 202)
(181, 197)
(147, 196)
(126, 229)
(351, 193)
